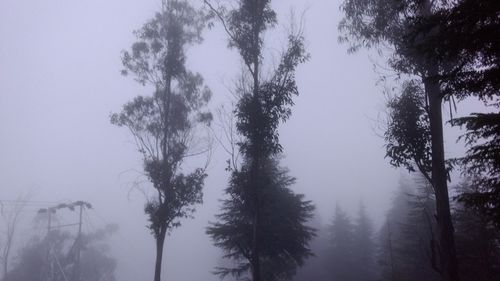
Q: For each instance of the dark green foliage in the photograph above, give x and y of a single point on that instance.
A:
(371, 23)
(282, 232)
(159, 52)
(478, 241)
(164, 125)
(471, 66)
(399, 24)
(475, 71)
(258, 117)
(246, 24)
(407, 135)
(482, 163)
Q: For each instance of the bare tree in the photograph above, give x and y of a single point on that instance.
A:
(11, 213)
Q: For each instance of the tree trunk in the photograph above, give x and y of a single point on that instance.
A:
(255, 249)
(448, 265)
(447, 256)
(160, 240)
(257, 141)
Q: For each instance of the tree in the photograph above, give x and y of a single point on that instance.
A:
(370, 23)
(363, 247)
(262, 105)
(478, 241)
(407, 137)
(476, 68)
(283, 241)
(341, 256)
(408, 243)
(166, 126)
(482, 163)
(390, 265)
(10, 218)
(316, 267)
(96, 263)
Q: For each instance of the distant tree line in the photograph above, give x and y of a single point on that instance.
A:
(401, 250)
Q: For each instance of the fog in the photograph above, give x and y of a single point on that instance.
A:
(60, 80)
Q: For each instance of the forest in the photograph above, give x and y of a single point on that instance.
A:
(252, 140)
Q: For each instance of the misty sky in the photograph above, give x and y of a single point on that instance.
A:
(60, 80)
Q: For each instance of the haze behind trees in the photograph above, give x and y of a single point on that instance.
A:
(414, 140)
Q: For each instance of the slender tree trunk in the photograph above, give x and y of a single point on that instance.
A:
(256, 274)
(447, 254)
(160, 240)
(166, 103)
(448, 264)
(255, 250)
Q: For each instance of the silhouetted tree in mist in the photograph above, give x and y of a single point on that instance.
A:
(478, 75)
(350, 248)
(316, 267)
(478, 241)
(166, 125)
(429, 44)
(246, 229)
(397, 23)
(364, 246)
(283, 231)
(407, 238)
(341, 247)
(408, 243)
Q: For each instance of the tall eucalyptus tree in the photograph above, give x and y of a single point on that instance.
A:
(166, 125)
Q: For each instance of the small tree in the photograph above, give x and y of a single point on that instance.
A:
(166, 125)
(10, 217)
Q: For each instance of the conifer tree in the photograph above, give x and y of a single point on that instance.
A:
(478, 241)
(363, 246)
(408, 236)
(341, 257)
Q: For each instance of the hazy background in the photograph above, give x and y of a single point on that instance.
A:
(60, 80)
